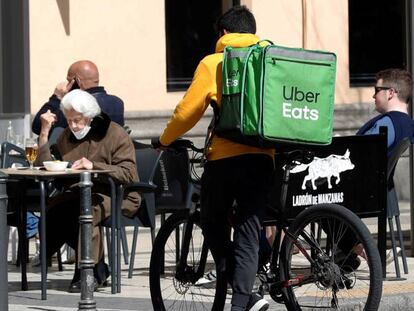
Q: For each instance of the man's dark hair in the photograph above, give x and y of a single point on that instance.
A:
(238, 19)
(400, 80)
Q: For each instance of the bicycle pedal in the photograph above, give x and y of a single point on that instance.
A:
(349, 284)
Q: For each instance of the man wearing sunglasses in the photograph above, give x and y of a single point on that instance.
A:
(392, 93)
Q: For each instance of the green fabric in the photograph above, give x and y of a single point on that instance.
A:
(233, 66)
(273, 94)
(298, 95)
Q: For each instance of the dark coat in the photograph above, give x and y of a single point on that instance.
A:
(108, 147)
(112, 105)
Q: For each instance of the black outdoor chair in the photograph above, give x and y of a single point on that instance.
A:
(393, 209)
(174, 190)
(14, 156)
(147, 160)
(172, 177)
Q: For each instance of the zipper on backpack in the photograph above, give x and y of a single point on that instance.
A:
(274, 59)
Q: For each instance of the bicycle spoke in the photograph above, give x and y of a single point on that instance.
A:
(177, 288)
(341, 279)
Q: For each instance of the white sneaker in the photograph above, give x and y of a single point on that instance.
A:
(257, 303)
(35, 261)
(209, 278)
(390, 255)
(68, 254)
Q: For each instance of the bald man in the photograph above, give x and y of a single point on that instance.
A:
(82, 74)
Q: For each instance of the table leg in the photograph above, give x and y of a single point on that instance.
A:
(24, 243)
(114, 239)
(4, 303)
(86, 227)
(43, 259)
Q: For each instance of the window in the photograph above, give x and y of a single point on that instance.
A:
(190, 35)
(14, 62)
(376, 38)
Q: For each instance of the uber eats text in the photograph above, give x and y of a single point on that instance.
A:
(293, 97)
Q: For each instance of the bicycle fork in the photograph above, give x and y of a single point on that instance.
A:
(185, 272)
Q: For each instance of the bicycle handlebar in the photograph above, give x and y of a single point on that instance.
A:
(297, 155)
(177, 144)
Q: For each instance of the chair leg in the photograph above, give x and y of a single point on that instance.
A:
(162, 218)
(14, 244)
(22, 256)
(59, 260)
(394, 248)
(152, 236)
(400, 237)
(114, 271)
(124, 244)
(108, 246)
(118, 259)
(133, 251)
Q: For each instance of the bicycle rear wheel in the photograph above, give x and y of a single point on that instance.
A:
(176, 286)
(332, 277)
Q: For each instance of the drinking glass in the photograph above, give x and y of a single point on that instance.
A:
(19, 140)
(31, 150)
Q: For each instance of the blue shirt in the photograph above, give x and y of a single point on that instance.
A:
(399, 124)
(387, 122)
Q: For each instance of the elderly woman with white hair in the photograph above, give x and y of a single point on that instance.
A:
(91, 141)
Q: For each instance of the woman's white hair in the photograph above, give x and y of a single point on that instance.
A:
(82, 102)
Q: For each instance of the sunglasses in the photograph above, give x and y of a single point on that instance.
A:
(382, 88)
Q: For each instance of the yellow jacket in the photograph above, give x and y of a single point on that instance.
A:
(206, 87)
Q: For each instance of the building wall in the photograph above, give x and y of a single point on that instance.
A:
(316, 25)
(127, 41)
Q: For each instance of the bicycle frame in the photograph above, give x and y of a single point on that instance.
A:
(321, 269)
(184, 272)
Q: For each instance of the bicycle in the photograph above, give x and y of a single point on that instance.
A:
(307, 269)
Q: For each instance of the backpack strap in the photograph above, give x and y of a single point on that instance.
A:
(269, 42)
(211, 128)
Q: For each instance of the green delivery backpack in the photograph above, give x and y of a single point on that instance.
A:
(276, 94)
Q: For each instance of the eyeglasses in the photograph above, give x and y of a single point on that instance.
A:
(382, 88)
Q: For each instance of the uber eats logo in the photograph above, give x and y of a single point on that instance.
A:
(295, 104)
(233, 78)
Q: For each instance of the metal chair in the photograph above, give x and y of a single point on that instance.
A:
(171, 175)
(174, 183)
(147, 161)
(393, 209)
(11, 156)
(14, 156)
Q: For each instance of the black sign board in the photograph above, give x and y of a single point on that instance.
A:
(351, 171)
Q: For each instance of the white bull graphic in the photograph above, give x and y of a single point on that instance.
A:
(328, 167)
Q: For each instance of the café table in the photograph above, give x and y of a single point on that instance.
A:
(85, 183)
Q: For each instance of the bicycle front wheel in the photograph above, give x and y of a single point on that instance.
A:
(178, 284)
(320, 265)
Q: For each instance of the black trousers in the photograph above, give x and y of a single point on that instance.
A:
(62, 225)
(243, 180)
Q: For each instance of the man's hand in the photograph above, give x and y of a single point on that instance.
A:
(82, 163)
(46, 119)
(63, 87)
(156, 144)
